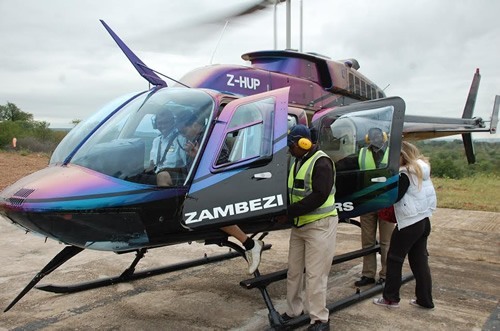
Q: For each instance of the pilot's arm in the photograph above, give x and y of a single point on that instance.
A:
(151, 166)
(152, 155)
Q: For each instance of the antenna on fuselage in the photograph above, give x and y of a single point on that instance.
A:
(218, 41)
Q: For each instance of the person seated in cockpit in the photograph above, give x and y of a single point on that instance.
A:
(376, 154)
(192, 128)
(167, 157)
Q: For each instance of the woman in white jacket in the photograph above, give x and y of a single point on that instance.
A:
(416, 201)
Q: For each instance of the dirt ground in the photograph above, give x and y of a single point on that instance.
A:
(14, 166)
(465, 265)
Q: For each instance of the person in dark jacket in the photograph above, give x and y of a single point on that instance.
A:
(311, 189)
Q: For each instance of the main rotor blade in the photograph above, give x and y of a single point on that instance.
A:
(263, 4)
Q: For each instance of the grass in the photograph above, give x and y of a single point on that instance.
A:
(480, 192)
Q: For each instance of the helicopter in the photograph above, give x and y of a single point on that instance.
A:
(93, 195)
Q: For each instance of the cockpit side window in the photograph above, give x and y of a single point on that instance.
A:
(248, 135)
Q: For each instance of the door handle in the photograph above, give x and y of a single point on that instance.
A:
(262, 175)
(379, 179)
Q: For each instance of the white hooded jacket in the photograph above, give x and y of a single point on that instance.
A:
(416, 204)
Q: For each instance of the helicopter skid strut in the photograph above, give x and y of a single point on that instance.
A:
(128, 274)
(276, 322)
(259, 281)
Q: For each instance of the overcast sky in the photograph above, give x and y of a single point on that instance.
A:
(58, 63)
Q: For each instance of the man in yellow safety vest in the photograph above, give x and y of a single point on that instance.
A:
(311, 189)
(373, 156)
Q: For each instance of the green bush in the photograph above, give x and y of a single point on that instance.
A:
(446, 168)
(448, 158)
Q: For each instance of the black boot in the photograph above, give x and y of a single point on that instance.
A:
(365, 281)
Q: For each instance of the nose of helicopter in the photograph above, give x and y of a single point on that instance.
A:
(80, 207)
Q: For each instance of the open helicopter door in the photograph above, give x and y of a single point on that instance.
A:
(362, 184)
(242, 173)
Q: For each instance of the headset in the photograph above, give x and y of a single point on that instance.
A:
(384, 135)
(300, 138)
(303, 142)
(166, 114)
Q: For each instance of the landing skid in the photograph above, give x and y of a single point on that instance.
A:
(128, 275)
(276, 322)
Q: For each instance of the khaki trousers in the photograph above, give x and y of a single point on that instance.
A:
(311, 247)
(369, 238)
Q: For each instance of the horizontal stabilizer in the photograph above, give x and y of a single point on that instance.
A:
(427, 127)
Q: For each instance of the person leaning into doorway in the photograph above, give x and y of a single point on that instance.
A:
(415, 204)
(311, 188)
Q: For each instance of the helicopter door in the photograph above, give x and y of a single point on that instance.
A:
(364, 141)
(242, 172)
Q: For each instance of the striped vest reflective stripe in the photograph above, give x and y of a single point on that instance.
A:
(304, 175)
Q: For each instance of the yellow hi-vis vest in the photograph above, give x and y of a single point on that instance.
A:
(298, 193)
(366, 161)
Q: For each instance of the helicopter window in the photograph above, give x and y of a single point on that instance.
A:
(248, 136)
(351, 82)
(84, 128)
(346, 138)
(142, 139)
(357, 85)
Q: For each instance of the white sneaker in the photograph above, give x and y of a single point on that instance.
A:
(386, 303)
(253, 256)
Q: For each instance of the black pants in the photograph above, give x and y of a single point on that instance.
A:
(411, 241)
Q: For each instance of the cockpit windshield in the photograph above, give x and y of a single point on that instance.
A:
(151, 139)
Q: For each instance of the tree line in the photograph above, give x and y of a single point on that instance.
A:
(30, 134)
(448, 160)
